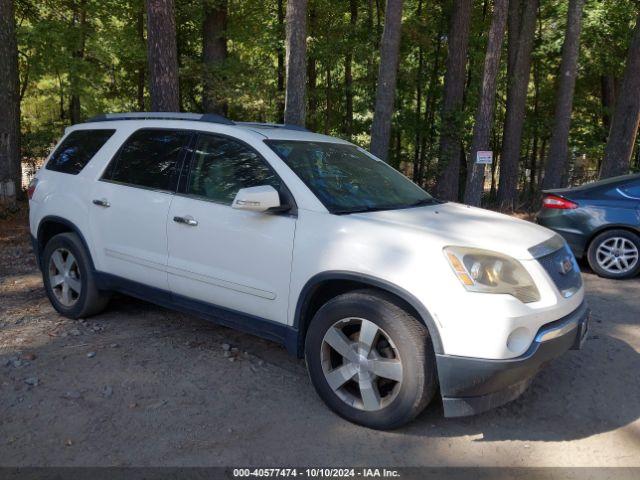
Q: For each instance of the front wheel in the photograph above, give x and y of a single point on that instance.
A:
(615, 254)
(370, 360)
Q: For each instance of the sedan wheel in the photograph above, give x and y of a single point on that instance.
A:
(64, 277)
(617, 255)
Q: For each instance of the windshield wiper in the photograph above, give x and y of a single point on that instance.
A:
(362, 210)
(424, 201)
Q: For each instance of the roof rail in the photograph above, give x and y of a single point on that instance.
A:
(196, 117)
(286, 126)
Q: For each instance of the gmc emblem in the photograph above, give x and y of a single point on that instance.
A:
(566, 265)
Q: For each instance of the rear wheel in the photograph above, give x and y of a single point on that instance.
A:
(68, 278)
(370, 360)
(615, 254)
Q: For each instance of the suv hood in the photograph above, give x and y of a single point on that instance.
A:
(462, 225)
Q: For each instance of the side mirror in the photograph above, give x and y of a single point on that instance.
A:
(257, 199)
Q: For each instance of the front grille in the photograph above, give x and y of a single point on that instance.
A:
(568, 283)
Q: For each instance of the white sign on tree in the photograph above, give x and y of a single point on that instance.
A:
(484, 157)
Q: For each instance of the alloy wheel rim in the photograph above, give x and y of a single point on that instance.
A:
(361, 364)
(617, 255)
(64, 277)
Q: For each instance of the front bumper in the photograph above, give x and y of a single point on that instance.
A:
(473, 385)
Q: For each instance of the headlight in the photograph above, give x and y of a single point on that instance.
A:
(491, 272)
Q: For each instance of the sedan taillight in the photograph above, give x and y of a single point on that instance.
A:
(554, 201)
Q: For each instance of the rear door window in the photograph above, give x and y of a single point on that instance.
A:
(77, 149)
(149, 159)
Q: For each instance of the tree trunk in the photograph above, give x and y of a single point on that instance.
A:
(294, 102)
(280, 64)
(513, 32)
(516, 107)
(312, 118)
(430, 108)
(327, 95)
(162, 52)
(486, 108)
(387, 75)
(418, 128)
(348, 75)
(451, 118)
(10, 171)
(559, 146)
(608, 97)
(214, 54)
(141, 80)
(624, 124)
(536, 127)
(372, 40)
(79, 22)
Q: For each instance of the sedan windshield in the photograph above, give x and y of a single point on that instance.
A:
(347, 179)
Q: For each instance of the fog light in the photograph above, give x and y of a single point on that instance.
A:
(519, 340)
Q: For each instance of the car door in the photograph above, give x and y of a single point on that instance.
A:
(236, 259)
(131, 202)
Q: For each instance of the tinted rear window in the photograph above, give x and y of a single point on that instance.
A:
(149, 158)
(77, 149)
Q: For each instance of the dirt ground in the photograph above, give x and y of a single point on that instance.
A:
(141, 385)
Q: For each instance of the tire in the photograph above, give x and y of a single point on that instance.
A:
(399, 337)
(65, 252)
(615, 254)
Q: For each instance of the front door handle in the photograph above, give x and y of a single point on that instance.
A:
(101, 202)
(188, 220)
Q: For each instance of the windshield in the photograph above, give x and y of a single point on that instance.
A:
(347, 179)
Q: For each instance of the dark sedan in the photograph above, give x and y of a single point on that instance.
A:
(599, 220)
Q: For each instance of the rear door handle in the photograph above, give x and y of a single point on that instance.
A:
(187, 220)
(101, 202)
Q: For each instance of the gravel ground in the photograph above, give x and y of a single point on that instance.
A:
(141, 385)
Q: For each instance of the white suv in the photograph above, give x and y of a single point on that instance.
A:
(307, 240)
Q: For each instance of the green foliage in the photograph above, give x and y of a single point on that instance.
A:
(102, 60)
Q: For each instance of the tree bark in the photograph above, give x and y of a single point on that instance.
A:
(294, 102)
(624, 124)
(162, 53)
(513, 32)
(280, 63)
(79, 22)
(348, 74)
(516, 106)
(387, 76)
(536, 127)
(430, 109)
(486, 108)
(141, 74)
(608, 98)
(214, 54)
(418, 128)
(328, 104)
(559, 146)
(452, 102)
(10, 171)
(312, 119)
